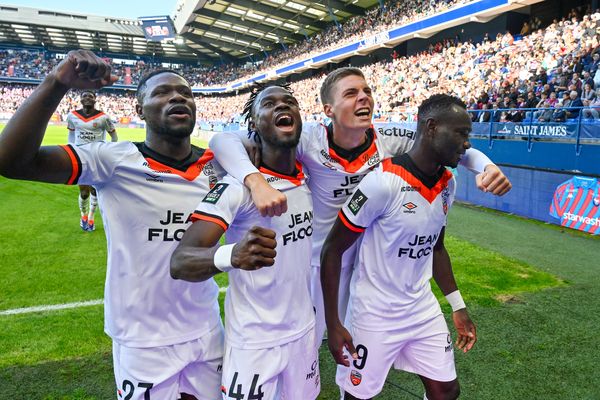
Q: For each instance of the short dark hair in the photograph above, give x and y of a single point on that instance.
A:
(333, 77)
(435, 104)
(149, 75)
(88, 91)
(257, 88)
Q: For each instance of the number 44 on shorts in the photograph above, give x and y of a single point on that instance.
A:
(237, 392)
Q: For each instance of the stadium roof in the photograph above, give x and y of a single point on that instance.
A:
(222, 29)
(210, 31)
(66, 31)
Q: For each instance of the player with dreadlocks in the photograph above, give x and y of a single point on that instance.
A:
(270, 350)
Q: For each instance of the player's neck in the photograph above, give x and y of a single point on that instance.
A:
(173, 147)
(348, 139)
(423, 160)
(282, 160)
(87, 110)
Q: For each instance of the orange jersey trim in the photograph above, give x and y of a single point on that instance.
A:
(84, 119)
(199, 215)
(296, 180)
(190, 173)
(75, 164)
(353, 166)
(350, 225)
(424, 191)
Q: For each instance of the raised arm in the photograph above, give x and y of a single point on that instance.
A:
(490, 177)
(340, 238)
(444, 278)
(198, 256)
(231, 152)
(21, 156)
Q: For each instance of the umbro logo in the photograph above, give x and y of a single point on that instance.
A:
(409, 207)
(153, 178)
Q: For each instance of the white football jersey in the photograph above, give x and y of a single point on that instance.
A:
(146, 207)
(270, 306)
(332, 177)
(88, 129)
(402, 214)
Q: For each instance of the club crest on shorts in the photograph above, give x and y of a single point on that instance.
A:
(355, 377)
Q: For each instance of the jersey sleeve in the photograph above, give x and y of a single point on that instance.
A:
(395, 139)
(230, 153)
(475, 160)
(94, 163)
(222, 203)
(369, 201)
(556, 209)
(70, 123)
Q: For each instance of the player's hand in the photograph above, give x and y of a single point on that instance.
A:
(82, 69)
(492, 180)
(270, 202)
(339, 338)
(465, 328)
(255, 250)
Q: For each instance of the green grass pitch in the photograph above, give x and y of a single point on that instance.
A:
(533, 290)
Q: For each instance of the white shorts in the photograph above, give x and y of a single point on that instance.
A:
(425, 350)
(316, 294)
(287, 372)
(163, 373)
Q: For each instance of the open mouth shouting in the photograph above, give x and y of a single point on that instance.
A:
(363, 112)
(179, 112)
(285, 122)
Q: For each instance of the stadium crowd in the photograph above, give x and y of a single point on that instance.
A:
(35, 64)
(554, 69)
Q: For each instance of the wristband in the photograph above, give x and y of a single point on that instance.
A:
(222, 258)
(456, 301)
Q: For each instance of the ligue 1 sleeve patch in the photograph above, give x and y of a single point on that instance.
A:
(357, 201)
(215, 193)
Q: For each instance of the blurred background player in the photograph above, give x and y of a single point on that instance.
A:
(88, 125)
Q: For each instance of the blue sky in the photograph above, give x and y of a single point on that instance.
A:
(110, 8)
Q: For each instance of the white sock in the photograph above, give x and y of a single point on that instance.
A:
(83, 205)
(93, 205)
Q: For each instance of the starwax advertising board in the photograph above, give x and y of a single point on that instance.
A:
(576, 203)
(157, 28)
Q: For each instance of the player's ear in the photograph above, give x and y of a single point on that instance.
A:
(139, 110)
(327, 109)
(431, 125)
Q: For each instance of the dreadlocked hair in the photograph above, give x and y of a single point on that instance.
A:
(256, 89)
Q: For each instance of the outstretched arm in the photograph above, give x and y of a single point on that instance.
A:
(230, 152)
(444, 277)
(490, 177)
(21, 156)
(340, 238)
(198, 256)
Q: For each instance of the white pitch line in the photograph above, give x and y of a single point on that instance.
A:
(55, 307)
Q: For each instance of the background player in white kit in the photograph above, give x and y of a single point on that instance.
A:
(393, 316)
(167, 335)
(336, 158)
(270, 351)
(88, 125)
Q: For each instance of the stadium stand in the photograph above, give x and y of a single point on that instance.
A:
(533, 71)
